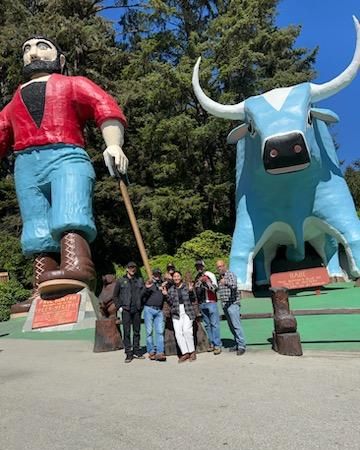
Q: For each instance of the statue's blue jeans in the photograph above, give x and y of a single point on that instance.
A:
(54, 187)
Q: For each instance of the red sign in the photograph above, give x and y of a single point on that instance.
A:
(59, 311)
(297, 279)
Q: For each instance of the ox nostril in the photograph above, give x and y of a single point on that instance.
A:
(274, 153)
(297, 148)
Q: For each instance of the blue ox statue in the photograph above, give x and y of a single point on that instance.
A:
(289, 187)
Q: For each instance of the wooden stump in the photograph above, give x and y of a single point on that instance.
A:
(286, 340)
(288, 344)
(200, 337)
(246, 294)
(171, 347)
(107, 336)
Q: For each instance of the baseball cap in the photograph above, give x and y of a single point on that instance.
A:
(170, 266)
(131, 264)
(156, 272)
(199, 262)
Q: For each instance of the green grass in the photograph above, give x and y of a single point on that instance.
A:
(332, 332)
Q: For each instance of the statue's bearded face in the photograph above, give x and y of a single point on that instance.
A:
(41, 56)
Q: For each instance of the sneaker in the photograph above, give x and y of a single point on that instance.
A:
(129, 358)
(192, 356)
(217, 351)
(184, 358)
(152, 356)
(241, 351)
(138, 356)
(210, 349)
(160, 357)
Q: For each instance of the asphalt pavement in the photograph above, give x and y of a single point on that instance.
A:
(58, 395)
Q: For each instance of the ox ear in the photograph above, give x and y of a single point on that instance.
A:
(326, 115)
(237, 133)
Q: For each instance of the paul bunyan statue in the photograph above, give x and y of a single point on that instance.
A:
(43, 124)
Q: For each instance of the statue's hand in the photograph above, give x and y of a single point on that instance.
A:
(115, 160)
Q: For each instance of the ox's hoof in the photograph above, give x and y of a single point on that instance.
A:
(337, 280)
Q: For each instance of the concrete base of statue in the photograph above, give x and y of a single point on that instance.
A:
(65, 312)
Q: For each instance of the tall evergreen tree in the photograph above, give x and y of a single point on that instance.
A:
(352, 177)
(182, 162)
(182, 172)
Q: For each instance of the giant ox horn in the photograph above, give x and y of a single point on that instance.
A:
(234, 112)
(325, 90)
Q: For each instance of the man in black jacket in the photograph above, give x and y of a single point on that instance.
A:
(128, 296)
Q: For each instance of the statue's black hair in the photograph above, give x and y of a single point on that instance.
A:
(45, 39)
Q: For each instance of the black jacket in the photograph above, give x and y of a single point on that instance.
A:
(122, 292)
(153, 296)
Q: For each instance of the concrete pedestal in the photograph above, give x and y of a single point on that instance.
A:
(88, 313)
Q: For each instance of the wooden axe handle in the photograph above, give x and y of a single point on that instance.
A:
(135, 227)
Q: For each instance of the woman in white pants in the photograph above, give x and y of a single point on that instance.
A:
(180, 299)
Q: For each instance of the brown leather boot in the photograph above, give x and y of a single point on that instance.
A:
(42, 263)
(76, 262)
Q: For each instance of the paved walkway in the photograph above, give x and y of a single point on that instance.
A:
(57, 395)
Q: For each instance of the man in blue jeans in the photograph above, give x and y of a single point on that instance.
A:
(228, 294)
(153, 317)
(205, 288)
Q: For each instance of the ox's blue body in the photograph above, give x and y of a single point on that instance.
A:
(313, 204)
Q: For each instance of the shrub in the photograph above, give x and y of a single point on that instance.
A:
(11, 293)
(13, 261)
(206, 245)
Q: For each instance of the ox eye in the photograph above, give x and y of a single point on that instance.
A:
(251, 129)
(309, 119)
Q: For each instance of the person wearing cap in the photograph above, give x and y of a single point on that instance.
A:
(128, 295)
(153, 301)
(168, 276)
(230, 299)
(205, 288)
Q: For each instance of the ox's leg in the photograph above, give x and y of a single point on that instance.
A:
(328, 249)
(242, 249)
(261, 277)
(332, 258)
(344, 226)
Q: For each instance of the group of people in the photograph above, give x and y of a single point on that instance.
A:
(132, 296)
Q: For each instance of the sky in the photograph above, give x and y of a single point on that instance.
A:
(328, 24)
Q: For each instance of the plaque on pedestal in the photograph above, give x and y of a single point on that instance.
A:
(87, 312)
(59, 311)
